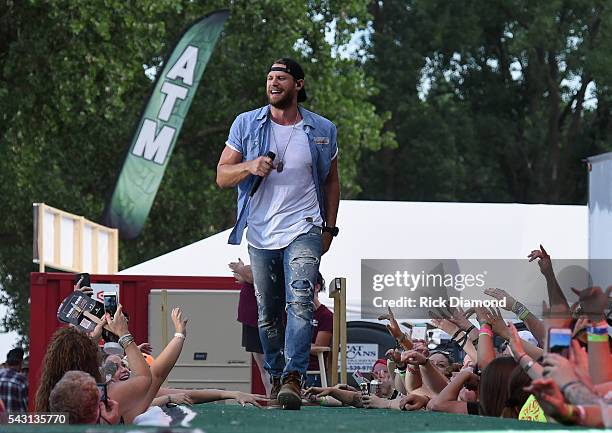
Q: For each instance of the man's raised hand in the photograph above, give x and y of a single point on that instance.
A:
(543, 259)
(180, 323)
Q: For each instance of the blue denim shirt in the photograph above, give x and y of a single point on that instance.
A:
(249, 135)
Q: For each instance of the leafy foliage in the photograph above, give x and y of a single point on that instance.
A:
(500, 100)
(72, 87)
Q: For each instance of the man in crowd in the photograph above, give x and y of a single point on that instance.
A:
(14, 384)
(291, 218)
(78, 395)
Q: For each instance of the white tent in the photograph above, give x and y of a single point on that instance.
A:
(406, 230)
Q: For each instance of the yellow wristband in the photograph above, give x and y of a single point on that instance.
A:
(596, 338)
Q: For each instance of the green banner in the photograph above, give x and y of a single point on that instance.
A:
(160, 126)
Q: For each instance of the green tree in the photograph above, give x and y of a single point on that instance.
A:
(72, 87)
(500, 100)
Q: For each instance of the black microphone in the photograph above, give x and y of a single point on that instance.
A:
(258, 179)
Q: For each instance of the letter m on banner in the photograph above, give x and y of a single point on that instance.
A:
(160, 126)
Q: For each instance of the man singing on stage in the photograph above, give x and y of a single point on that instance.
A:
(291, 216)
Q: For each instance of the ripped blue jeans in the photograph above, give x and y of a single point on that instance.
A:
(285, 278)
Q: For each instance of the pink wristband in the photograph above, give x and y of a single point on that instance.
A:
(487, 331)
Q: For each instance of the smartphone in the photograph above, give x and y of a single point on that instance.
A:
(103, 395)
(110, 303)
(419, 332)
(559, 340)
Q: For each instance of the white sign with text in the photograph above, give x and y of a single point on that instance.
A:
(360, 357)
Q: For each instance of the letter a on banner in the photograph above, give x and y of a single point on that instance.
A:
(160, 125)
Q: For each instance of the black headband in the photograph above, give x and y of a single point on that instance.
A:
(287, 69)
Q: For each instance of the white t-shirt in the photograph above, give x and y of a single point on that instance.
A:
(285, 199)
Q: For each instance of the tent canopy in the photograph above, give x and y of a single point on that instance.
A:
(406, 230)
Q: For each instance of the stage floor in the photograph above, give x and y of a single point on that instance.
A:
(231, 418)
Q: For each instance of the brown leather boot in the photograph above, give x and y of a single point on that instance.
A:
(276, 386)
(290, 394)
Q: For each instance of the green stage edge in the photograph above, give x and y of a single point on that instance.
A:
(231, 418)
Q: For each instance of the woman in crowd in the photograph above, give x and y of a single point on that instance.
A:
(160, 369)
(71, 349)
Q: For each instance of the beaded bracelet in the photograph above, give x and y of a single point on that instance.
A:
(598, 330)
(126, 340)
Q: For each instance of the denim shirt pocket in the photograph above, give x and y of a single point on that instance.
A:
(252, 148)
(323, 147)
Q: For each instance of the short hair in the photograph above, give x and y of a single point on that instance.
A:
(446, 354)
(14, 356)
(320, 281)
(77, 394)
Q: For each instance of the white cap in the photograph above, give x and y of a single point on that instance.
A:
(111, 348)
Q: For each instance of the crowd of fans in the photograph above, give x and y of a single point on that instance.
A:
(517, 379)
(82, 379)
(524, 377)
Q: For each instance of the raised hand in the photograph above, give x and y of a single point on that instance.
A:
(557, 316)
(394, 355)
(516, 344)
(593, 301)
(494, 318)
(238, 270)
(85, 289)
(543, 259)
(446, 325)
(467, 378)
(180, 323)
(97, 332)
(498, 324)
(500, 294)
(559, 369)
(580, 359)
(145, 348)
(393, 326)
(456, 316)
(118, 323)
(414, 357)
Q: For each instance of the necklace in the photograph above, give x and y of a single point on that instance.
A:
(281, 165)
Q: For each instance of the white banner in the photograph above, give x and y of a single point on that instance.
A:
(360, 357)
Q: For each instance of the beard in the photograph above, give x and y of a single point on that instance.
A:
(282, 103)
